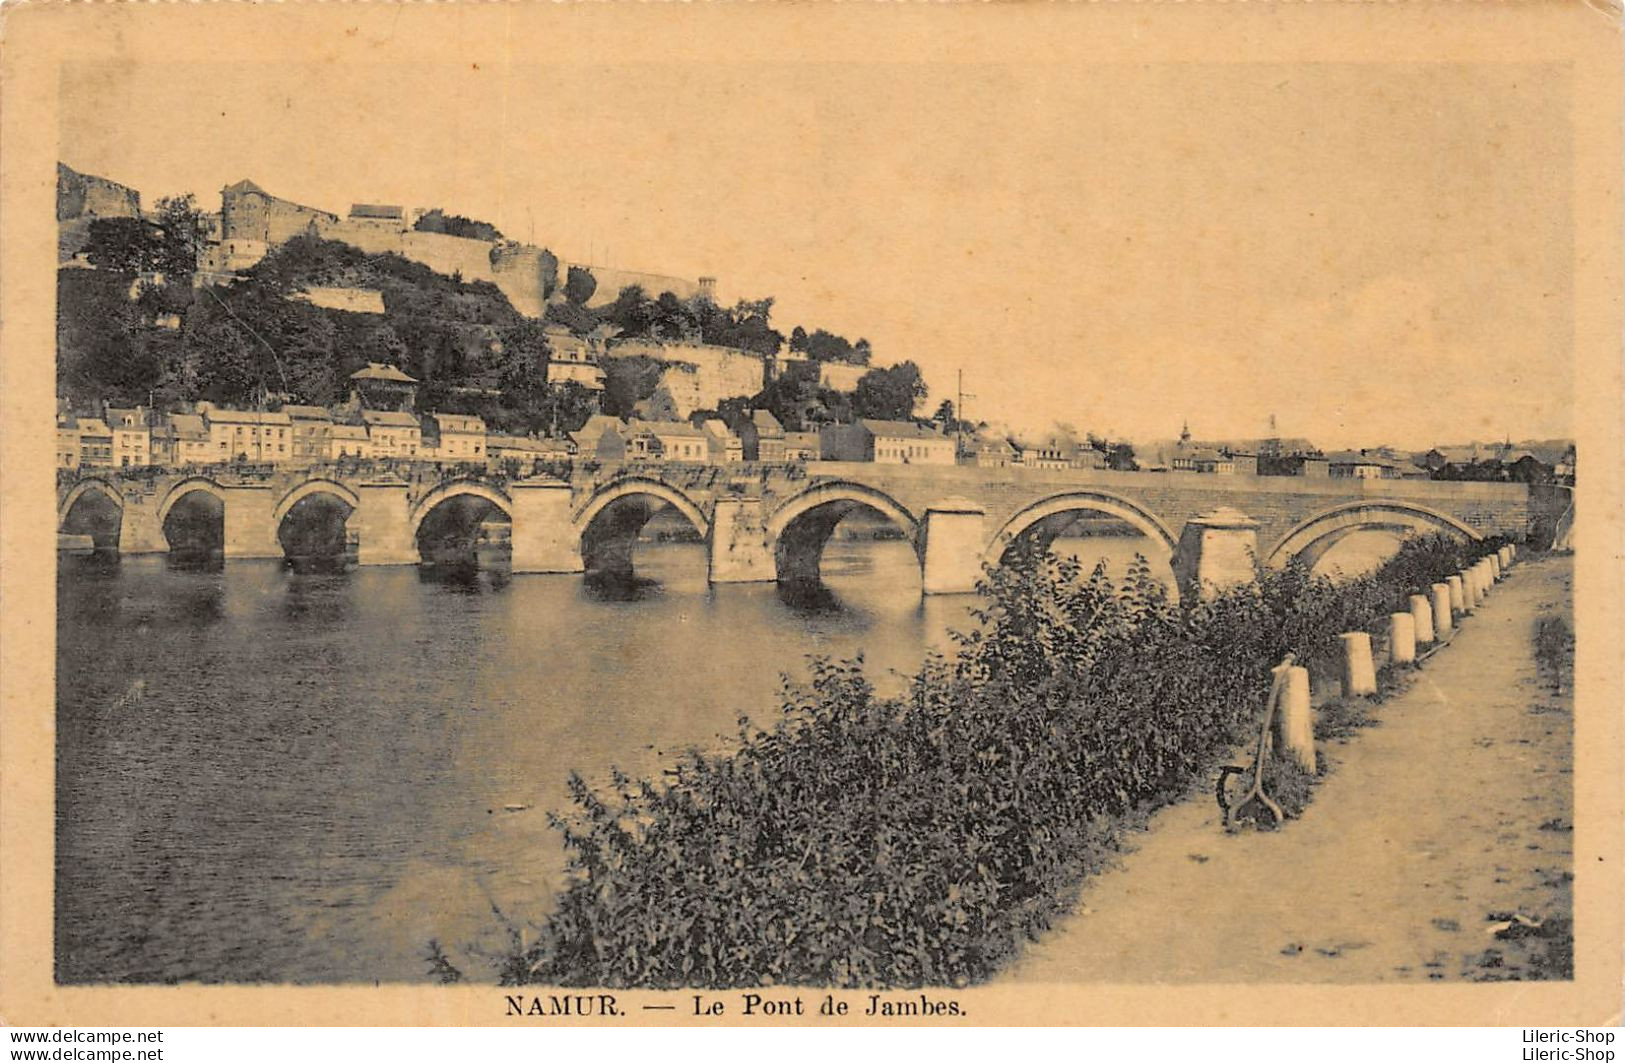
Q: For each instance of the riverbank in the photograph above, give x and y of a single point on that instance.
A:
(1439, 846)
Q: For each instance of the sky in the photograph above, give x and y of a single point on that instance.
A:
(1371, 253)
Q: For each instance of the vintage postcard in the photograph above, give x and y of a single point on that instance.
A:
(805, 514)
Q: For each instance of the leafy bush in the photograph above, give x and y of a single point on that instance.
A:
(921, 839)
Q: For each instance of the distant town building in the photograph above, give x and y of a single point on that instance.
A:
(132, 436)
(349, 441)
(602, 438)
(248, 435)
(312, 433)
(1212, 462)
(95, 442)
(392, 433)
(760, 435)
(462, 437)
(574, 359)
(189, 437)
(990, 452)
(886, 442)
(1351, 464)
(526, 450)
(802, 446)
(722, 446)
(67, 441)
(674, 441)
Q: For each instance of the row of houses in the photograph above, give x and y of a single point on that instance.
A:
(758, 436)
(132, 437)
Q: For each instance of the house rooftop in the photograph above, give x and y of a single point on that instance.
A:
(376, 210)
(900, 429)
(380, 371)
(389, 418)
(247, 416)
(670, 428)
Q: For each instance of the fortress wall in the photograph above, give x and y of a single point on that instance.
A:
(526, 275)
(719, 372)
(611, 281)
(84, 195)
(450, 254)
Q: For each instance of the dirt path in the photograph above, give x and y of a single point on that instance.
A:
(1455, 806)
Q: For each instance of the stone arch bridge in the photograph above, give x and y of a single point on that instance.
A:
(764, 523)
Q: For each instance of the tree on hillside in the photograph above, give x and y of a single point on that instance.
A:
(628, 381)
(438, 221)
(103, 349)
(126, 245)
(579, 285)
(183, 233)
(822, 346)
(791, 396)
(747, 326)
(889, 394)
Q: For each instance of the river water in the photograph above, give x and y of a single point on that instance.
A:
(273, 775)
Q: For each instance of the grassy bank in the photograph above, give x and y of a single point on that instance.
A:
(922, 839)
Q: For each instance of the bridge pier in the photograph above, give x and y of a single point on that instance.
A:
(140, 530)
(739, 552)
(953, 537)
(543, 535)
(383, 521)
(1217, 550)
(248, 512)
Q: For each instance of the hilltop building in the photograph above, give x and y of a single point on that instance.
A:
(382, 387)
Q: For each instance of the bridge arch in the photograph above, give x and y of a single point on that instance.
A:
(799, 529)
(304, 490)
(1142, 519)
(1313, 537)
(84, 487)
(93, 507)
(454, 489)
(185, 487)
(608, 525)
(188, 529)
(628, 486)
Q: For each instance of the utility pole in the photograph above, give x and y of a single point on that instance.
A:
(959, 416)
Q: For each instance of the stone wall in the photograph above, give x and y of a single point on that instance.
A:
(611, 281)
(84, 195)
(703, 375)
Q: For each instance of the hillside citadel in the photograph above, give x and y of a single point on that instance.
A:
(252, 222)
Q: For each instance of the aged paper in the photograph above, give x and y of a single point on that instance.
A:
(1231, 283)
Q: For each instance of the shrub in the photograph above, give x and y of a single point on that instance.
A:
(921, 839)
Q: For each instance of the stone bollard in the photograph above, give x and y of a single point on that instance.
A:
(1295, 719)
(1512, 551)
(1494, 561)
(1442, 622)
(1505, 555)
(1458, 593)
(1359, 675)
(1401, 638)
(1422, 618)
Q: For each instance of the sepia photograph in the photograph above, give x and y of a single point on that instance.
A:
(942, 512)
